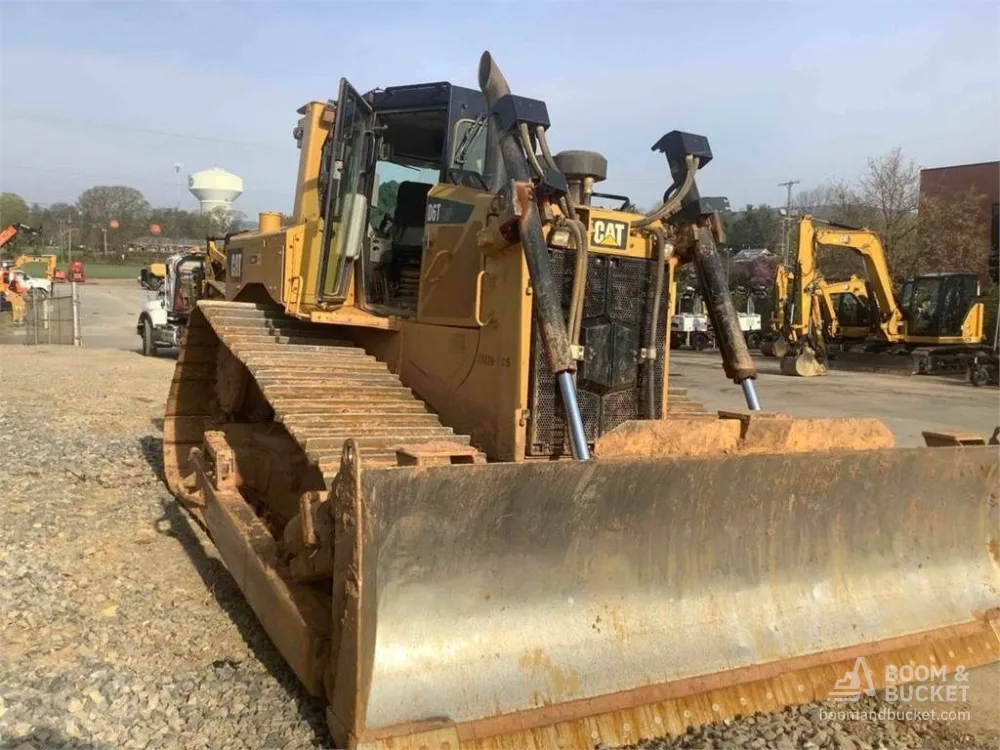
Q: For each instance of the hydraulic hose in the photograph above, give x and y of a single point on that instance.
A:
(671, 205)
(663, 253)
(565, 202)
(579, 232)
(529, 149)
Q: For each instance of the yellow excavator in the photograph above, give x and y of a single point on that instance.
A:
(935, 328)
(782, 277)
(440, 455)
(845, 308)
(834, 313)
(52, 272)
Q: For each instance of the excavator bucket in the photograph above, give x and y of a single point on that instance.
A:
(777, 347)
(803, 364)
(564, 604)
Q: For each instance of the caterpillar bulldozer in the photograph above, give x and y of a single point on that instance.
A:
(439, 453)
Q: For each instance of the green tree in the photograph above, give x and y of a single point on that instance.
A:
(13, 210)
(100, 204)
(890, 188)
(754, 226)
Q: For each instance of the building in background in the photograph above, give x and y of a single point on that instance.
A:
(946, 183)
(215, 188)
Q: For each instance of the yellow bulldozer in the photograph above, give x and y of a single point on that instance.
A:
(439, 453)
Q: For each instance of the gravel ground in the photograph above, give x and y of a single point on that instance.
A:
(812, 726)
(121, 627)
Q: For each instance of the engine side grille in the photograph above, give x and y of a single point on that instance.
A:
(619, 292)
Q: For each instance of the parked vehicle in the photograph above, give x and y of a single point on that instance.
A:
(163, 319)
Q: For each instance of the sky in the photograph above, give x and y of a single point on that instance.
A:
(119, 92)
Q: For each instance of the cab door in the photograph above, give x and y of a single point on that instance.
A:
(349, 169)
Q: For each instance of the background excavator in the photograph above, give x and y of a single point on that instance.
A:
(839, 308)
(441, 458)
(937, 325)
(846, 307)
(831, 314)
(52, 271)
(13, 288)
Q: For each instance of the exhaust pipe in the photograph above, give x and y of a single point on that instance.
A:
(547, 298)
(491, 80)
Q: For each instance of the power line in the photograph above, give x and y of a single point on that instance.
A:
(75, 121)
(79, 173)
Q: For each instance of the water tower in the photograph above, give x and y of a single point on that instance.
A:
(214, 188)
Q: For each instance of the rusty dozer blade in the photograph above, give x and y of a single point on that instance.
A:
(563, 604)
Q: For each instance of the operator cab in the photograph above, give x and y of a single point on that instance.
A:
(389, 148)
(936, 304)
(854, 312)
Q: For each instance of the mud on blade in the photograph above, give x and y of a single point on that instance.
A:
(620, 599)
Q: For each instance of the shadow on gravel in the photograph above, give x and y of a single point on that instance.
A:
(176, 523)
(152, 450)
(160, 353)
(45, 737)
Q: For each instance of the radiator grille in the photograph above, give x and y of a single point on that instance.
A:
(619, 290)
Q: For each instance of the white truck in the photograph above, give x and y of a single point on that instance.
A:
(34, 284)
(163, 318)
(694, 329)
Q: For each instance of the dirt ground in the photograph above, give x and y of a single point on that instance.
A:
(122, 628)
(908, 405)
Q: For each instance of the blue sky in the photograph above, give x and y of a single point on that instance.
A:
(117, 92)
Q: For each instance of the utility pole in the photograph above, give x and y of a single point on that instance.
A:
(177, 185)
(787, 218)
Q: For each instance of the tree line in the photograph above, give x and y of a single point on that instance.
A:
(117, 213)
(920, 234)
(932, 236)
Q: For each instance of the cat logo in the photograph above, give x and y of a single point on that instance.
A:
(608, 233)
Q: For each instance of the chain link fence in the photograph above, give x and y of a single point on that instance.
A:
(41, 318)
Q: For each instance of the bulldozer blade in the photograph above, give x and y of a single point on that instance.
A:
(565, 604)
(803, 365)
